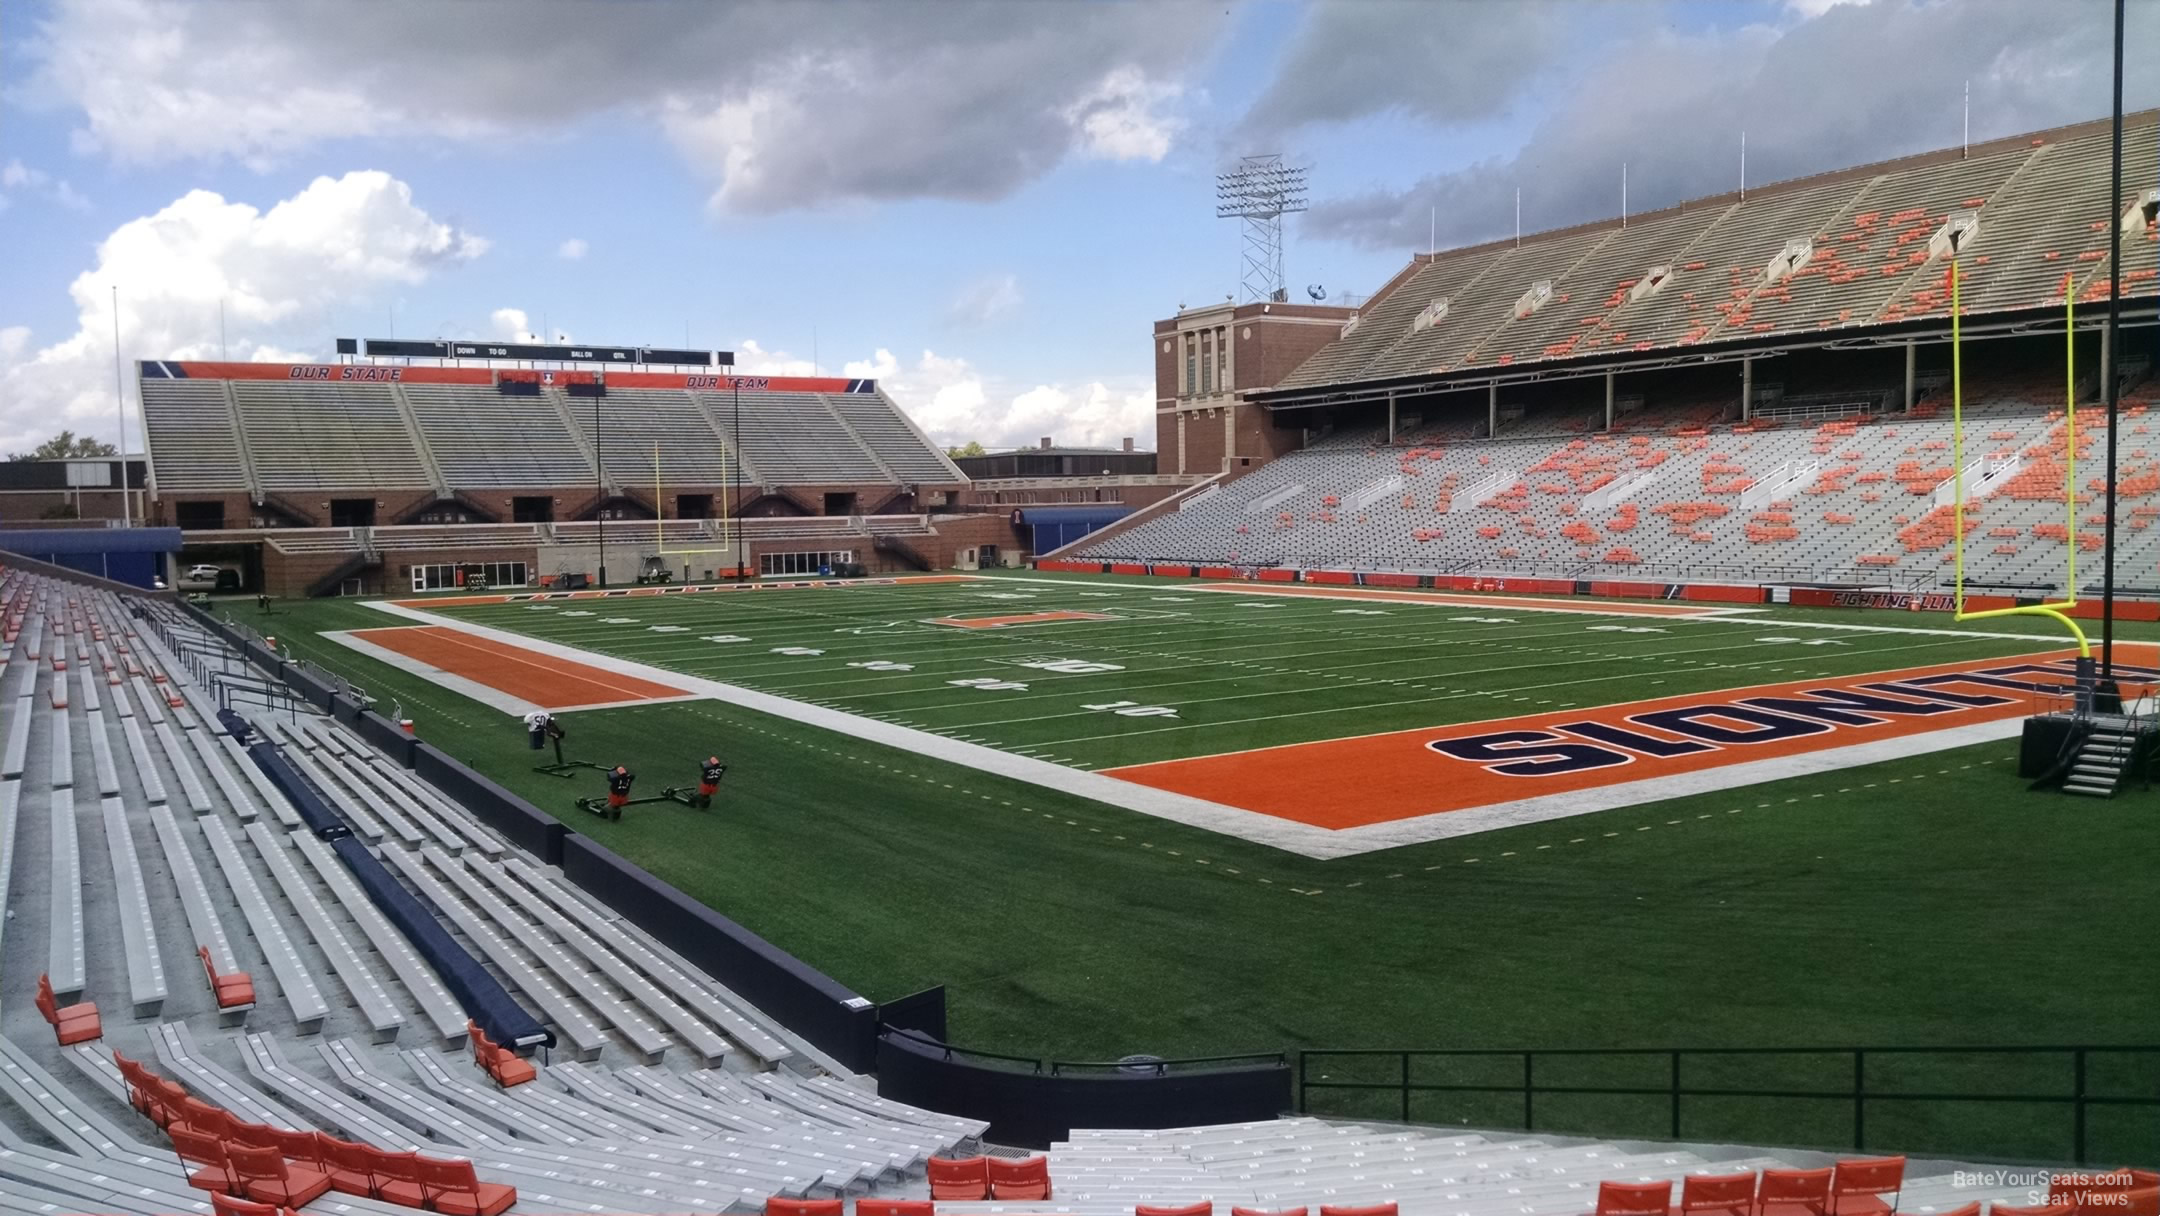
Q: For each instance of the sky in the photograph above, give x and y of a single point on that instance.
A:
(982, 203)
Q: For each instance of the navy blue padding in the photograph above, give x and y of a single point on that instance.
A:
(234, 724)
(477, 992)
(297, 791)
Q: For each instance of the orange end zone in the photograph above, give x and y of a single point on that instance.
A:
(528, 675)
(524, 597)
(1019, 618)
(1348, 783)
(1479, 600)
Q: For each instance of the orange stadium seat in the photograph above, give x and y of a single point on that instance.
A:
(1634, 1198)
(1019, 1178)
(959, 1177)
(77, 1023)
(1794, 1193)
(1717, 1195)
(1857, 1186)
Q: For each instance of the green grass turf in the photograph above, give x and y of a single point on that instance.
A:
(1238, 671)
(1930, 900)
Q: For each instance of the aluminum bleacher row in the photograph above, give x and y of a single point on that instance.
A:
(1866, 496)
(302, 437)
(152, 870)
(1813, 256)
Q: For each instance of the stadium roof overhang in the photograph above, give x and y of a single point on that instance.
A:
(2021, 323)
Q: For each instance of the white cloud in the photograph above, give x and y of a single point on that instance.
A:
(866, 100)
(20, 177)
(954, 404)
(572, 249)
(279, 274)
(985, 300)
(752, 359)
(1816, 8)
(512, 325)
(1121, 118)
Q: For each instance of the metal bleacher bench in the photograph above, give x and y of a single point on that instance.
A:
(302, 995)
(202, 918)
(138, 925)
(579, 1032)
(383, 1017)
(746, 1033)
(708, 1044)
(589, 987)
(436, 1004)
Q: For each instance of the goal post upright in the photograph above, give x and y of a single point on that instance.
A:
(2058, 609)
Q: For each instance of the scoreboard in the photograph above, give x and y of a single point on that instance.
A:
(619, 356)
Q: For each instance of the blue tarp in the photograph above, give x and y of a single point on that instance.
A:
(1056, 527)
(481, 996)
(126, 555)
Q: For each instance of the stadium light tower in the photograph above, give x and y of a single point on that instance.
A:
(1260, 191)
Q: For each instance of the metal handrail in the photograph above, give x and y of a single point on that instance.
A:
(1675, 1090)
(1055, 1067)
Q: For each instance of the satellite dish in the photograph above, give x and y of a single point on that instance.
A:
(1317, 292)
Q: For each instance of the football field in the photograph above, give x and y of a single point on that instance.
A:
(1242, 707)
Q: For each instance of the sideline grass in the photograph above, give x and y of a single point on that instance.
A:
(1930, 900)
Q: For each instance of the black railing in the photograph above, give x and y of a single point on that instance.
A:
(1141, 1065)
(1529, 1076)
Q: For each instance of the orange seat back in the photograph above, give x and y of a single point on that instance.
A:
(249, 1161)
(442, 1176)
(196, 1147)
(1867, 1176)
(1019, 1178)
(46, 1003)
(777, 1206)
(894, 1207)
(1237, 1211)
(1713, 1193)
(959, 1178)
(2144, 1201)
(1202, 1208)
(1795, 1186)
(1634, 1198)
(2039, 1209)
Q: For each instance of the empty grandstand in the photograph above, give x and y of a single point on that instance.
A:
(304, 475)
(1749, 388)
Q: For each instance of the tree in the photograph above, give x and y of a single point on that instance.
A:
(67, 445)
(971, 448)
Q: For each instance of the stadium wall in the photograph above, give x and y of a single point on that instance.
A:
(1031, 1107)
(2126, 608)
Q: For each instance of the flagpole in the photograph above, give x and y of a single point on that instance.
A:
(127, 511)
